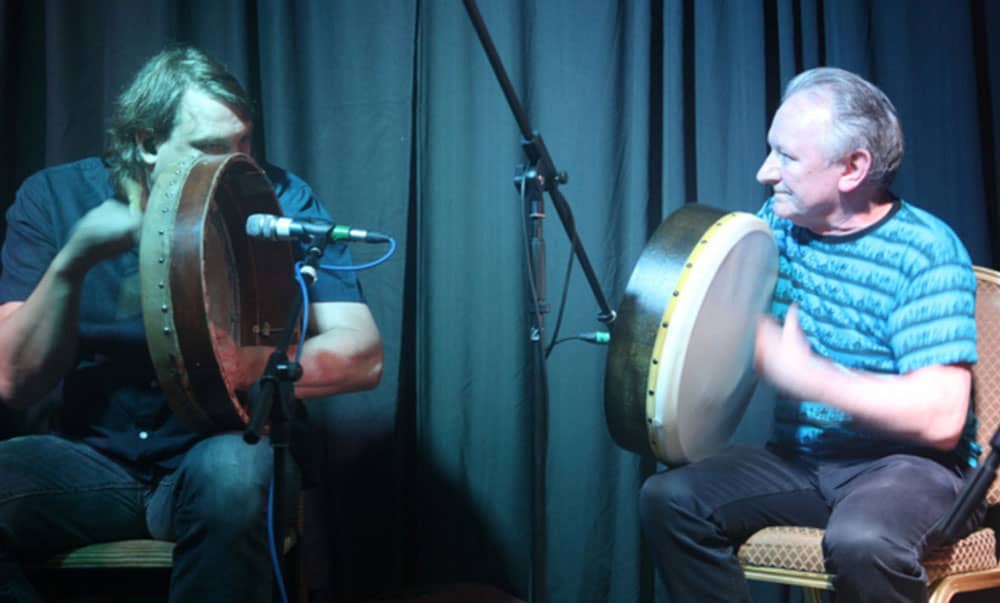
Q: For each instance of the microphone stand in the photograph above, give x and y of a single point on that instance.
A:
(539, 177)
(272, 397)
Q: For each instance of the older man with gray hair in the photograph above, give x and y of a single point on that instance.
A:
(869, 346)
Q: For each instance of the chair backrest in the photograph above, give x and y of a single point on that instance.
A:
(986, 373)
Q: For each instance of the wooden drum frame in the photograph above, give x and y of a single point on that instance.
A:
(207, 288)
(679, 371)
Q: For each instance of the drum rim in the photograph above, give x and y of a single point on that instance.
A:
(689, 293)
(175, 355)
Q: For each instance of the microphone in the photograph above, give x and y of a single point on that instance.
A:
(280, 228)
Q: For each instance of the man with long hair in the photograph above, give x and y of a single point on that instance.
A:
(120, 464)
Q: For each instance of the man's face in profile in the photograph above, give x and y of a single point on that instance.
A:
(799, 168)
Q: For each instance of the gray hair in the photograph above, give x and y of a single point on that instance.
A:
(863, 118)
(149, 105)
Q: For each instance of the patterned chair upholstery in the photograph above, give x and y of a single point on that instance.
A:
(793, 555)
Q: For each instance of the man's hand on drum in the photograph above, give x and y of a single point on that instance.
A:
(104, 232)
(782, 355)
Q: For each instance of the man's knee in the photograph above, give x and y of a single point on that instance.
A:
(665, 498)
(227, 479)
(859, 550)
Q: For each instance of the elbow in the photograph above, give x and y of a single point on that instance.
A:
(331, 373)
(11, 395)
(361, 371)
(947, 406)
(945, 432)
(6, 390)
(945, 442)
(369, 370)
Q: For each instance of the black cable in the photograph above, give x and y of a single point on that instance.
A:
(562, 307)
(594, 337)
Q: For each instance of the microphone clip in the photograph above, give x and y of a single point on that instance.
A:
(316, 232)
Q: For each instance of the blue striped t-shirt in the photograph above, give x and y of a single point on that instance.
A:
(892, 298)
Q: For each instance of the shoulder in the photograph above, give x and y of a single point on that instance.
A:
(90, 170)
(930, 240)
(927, 254)
(85, 174)
(934, 319)
(285, 183)
(63, 192)
(296, 197)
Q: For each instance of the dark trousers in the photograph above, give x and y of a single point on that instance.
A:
(57, 494)
(876, 512)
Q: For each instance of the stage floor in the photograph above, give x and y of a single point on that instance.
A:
(456, 593)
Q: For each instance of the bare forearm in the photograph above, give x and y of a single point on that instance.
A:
(39, 337)
(344, 354)
(928, 406)
(339, 361)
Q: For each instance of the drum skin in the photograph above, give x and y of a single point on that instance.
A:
(679, 367)
(207, 288)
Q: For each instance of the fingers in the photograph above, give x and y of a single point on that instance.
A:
(765, 341)
(105, 231)
(776, 343)
(792, 316)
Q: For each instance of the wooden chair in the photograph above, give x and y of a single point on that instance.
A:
(793, 555)
(144, 565)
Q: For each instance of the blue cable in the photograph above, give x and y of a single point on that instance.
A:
(372, 264)
(271, 544)
(305, 309)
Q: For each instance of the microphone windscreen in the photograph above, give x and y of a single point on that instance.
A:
(259, 226)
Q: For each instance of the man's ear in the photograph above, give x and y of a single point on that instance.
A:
(148, 149)
(856, 164)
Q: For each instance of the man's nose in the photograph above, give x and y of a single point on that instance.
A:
(768, 173)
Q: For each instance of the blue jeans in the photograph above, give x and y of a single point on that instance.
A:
(57, 494)
(877, 514)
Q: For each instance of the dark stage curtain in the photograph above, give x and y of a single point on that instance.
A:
(390, 110)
